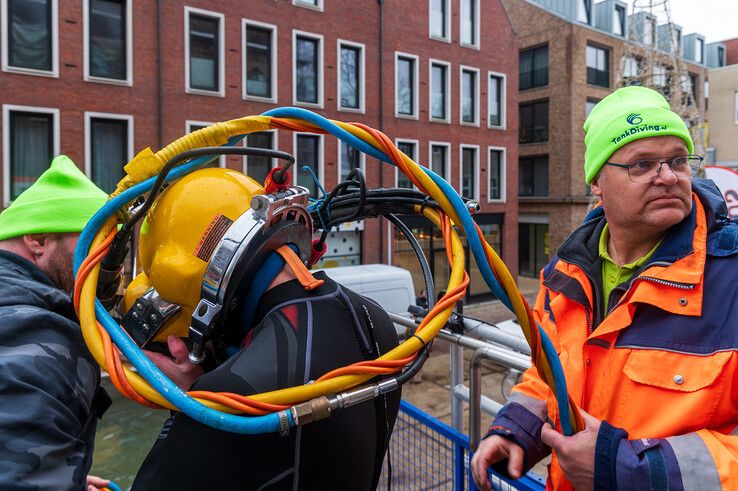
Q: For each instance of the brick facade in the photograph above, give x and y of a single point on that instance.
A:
(160, 105)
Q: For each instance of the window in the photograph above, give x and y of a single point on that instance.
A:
(311, 4)
(598, 66)
(659, 75)
(439, 86)
(30, 141)
(309, 152)
(469, 18)
(192, 126)
(591, 103)
(108, 40)
(439, 25)
(649, 32)
(583, 10)
(469, 172)
(534, 122)
(469, 99)
(699, 50)
(618, 22)
(735, 106)
(260, 61)
(351, 76)
(350, 158)
(204, 51)
(257, 167)
(630, 67)
(30, 36)
(108, 147)
(496, 174)
(307, 75)
(409, 148)
(533, 176)
(406, 85)
(440, 154)
(721, 56)
(534, 68)
(496, 93)
(533, 250)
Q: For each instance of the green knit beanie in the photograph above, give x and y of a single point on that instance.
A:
(62, 200)
(626, 115)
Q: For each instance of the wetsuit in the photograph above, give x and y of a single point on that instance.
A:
(298, 336)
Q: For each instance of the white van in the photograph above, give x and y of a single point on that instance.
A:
(391, 287)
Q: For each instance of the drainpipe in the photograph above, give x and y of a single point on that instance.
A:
(159, 78)
(383, 243)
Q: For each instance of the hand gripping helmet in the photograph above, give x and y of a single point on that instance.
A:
(201, 243)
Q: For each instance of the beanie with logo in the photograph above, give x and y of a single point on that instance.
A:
(626, 115)
(63, 199)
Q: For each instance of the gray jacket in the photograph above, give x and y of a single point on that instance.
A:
(50, 398)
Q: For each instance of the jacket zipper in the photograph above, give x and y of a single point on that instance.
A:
(682, 286)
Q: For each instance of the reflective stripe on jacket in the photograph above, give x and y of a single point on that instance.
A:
(662, 364)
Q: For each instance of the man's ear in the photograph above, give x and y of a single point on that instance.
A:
(35, 242)
(594, 185)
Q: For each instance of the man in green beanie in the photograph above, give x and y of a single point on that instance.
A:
(641, 304)
(50, 397)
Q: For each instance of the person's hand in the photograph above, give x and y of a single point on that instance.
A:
(576, 453)
(95, 483)
(492, 450)
(178, 368)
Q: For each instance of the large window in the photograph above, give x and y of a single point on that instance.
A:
(409, 148)
(598, 66)
(534, 67)
(204, 51)
(406, 85)
(30, 35)
(439, 86)
(260, 61)
(618, 22)
(699, 47)
(309, 152)
(440, 154)
(584, 9)
(496, 93)
(350, 159)
(439, 19)
(470, 172)
(469, 18)
(534, 122)
(107, 39)
(259, 166)
(109, 145)
(31, 139)
(351, 76)
(469, 98)
(308, 69)
(533, 250)
(533, 176)
(496, 174)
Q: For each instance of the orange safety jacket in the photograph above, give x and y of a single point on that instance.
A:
(660, 368)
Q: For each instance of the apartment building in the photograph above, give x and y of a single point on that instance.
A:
(723, 107)
(99, 80)
(573, 53)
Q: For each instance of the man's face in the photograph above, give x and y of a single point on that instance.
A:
(650, 208)
(57, 260)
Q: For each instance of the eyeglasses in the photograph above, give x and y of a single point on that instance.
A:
(646, 170)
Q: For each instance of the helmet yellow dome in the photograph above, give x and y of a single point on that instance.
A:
(180, 233)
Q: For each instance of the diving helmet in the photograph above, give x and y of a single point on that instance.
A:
(201, 243)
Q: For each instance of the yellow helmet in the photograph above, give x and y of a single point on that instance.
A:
(200, 246)
(179, 234)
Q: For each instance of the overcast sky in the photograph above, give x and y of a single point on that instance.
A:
(715, 19)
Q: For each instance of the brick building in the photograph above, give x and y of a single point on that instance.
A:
(571, 55)
(101, 79)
